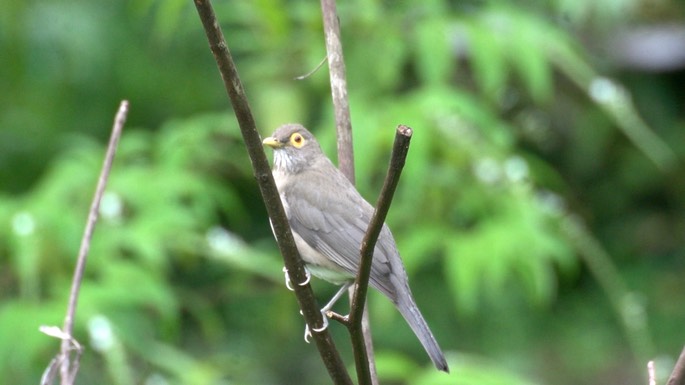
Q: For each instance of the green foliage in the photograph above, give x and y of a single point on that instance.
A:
(504, 40)
(474, 370)
(530, 196)
(492, 224)
(160, 213)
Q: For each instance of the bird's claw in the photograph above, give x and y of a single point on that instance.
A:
(287, 279)
(309, 277)
(308, 331)
(288, 282)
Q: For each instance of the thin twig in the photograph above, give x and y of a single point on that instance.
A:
(267, 187)
(397, 159)
(312, 72)
(678, 375)
(68, 369)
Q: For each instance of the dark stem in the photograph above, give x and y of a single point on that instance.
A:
(267, 187)
(397, 160)
(678, 374)
(68, 372)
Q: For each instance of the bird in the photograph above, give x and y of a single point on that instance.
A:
(328, 218)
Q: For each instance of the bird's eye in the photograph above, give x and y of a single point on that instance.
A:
(297, 140)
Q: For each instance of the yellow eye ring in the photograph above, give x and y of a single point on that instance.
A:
(297, 140)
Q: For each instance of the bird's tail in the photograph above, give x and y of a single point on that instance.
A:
(412, 315)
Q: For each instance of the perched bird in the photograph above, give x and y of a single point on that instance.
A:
(329, 219)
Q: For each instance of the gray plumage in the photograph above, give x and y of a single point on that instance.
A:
(329, 219)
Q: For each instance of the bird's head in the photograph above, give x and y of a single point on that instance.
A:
(295, 148)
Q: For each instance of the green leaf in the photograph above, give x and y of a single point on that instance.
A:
(434, 56)
(472, 369)
(463, 274)
(487, 53)
(126, 286)
(19, 321)
(526, 52)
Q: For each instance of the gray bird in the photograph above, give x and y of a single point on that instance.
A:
(329, 219)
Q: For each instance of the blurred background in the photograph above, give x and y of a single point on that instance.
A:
(541, 214)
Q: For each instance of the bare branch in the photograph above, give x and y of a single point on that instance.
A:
(397, 160)
(267, 187)
(341, 105)
(68, 369)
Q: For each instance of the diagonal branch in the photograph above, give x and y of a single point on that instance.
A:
(397, 160)
(68, 368)
(267, 187)
(678, 375)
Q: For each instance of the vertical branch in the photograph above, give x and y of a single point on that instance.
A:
(360, 330)
(341, 105)
(284, 238)
(68, 372)
(343, 123)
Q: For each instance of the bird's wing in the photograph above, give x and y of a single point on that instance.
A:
(335, 225)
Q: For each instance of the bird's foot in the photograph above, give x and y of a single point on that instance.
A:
(288, 282)
(308, 331)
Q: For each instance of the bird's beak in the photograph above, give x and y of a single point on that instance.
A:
(272, 142)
